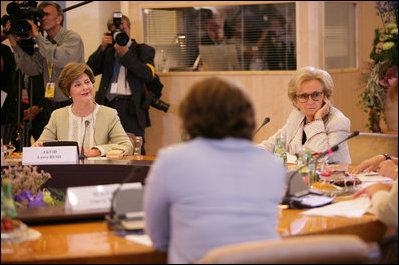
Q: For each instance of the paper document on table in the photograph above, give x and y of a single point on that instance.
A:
(373, 177)
(141, 239)
(351, 208)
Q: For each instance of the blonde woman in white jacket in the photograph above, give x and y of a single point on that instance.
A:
(314, 123)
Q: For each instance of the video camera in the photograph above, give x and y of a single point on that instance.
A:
(154, 88)
(18, 14)
(151, 100)
(119, 36)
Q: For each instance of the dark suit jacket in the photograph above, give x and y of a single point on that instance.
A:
(138, 73)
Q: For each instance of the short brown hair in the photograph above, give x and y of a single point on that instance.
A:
(216, 108)
(70, 73)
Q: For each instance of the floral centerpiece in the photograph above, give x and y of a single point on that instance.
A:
(385, 64)
(27, 182)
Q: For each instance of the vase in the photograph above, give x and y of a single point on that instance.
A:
(374, 121)
(391, 114)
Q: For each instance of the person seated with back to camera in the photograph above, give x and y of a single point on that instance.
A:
(217, 188)
(104, 130)
(314, 123)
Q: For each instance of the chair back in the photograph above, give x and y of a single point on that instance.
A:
(367, 145)
(315, 249)
(131, 137)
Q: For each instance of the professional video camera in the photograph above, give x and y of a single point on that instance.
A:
(18, 14)
(119, 36)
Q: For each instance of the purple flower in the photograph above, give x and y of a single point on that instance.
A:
(24, 195)
(37, 200)
(33, 200)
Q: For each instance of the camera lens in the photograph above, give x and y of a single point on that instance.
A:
(121, 38)
(21, 28)
(159, 104)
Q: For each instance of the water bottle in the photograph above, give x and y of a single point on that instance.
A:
(311, 169)
(162, 62)
(138, 143)
(279, 148)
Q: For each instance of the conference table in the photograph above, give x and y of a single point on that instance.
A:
(92, 241)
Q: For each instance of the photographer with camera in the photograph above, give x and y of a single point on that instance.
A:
(54, 50)
(125, 67)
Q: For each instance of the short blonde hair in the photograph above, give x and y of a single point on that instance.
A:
(72, 72)
(216, 108)
(309, 73)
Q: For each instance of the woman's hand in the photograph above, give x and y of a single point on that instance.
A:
(369, 164)
(92, 152)
(323, 111)
(370, 190)
(387, 169)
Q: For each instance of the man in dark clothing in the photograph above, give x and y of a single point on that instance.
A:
(8, 93)
(125, 69)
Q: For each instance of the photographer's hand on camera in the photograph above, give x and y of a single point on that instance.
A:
(34, 29)
(107, 40)
(121, 50)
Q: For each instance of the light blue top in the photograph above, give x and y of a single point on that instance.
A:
(207, 193)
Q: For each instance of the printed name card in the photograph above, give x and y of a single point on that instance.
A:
(91, 198)
(49, 155)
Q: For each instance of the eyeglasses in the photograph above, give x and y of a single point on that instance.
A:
(303, 98)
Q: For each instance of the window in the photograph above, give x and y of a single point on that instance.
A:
(340, 35)
(222, 38)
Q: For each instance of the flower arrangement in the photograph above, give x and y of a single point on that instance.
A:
(385, 64)
(26, 184)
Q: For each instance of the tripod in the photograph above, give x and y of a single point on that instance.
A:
(23, 128)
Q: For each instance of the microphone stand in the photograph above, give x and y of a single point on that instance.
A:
(82, 152)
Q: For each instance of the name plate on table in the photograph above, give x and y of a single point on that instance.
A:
(49, 155)
(90, 198)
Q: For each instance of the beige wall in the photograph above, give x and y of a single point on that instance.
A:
(267, 89)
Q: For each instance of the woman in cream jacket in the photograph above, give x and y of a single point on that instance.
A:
(104, 131)
(314, 123)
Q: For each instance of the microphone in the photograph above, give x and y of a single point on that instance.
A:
(330, 150)
(265, 121)
(82, 151)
